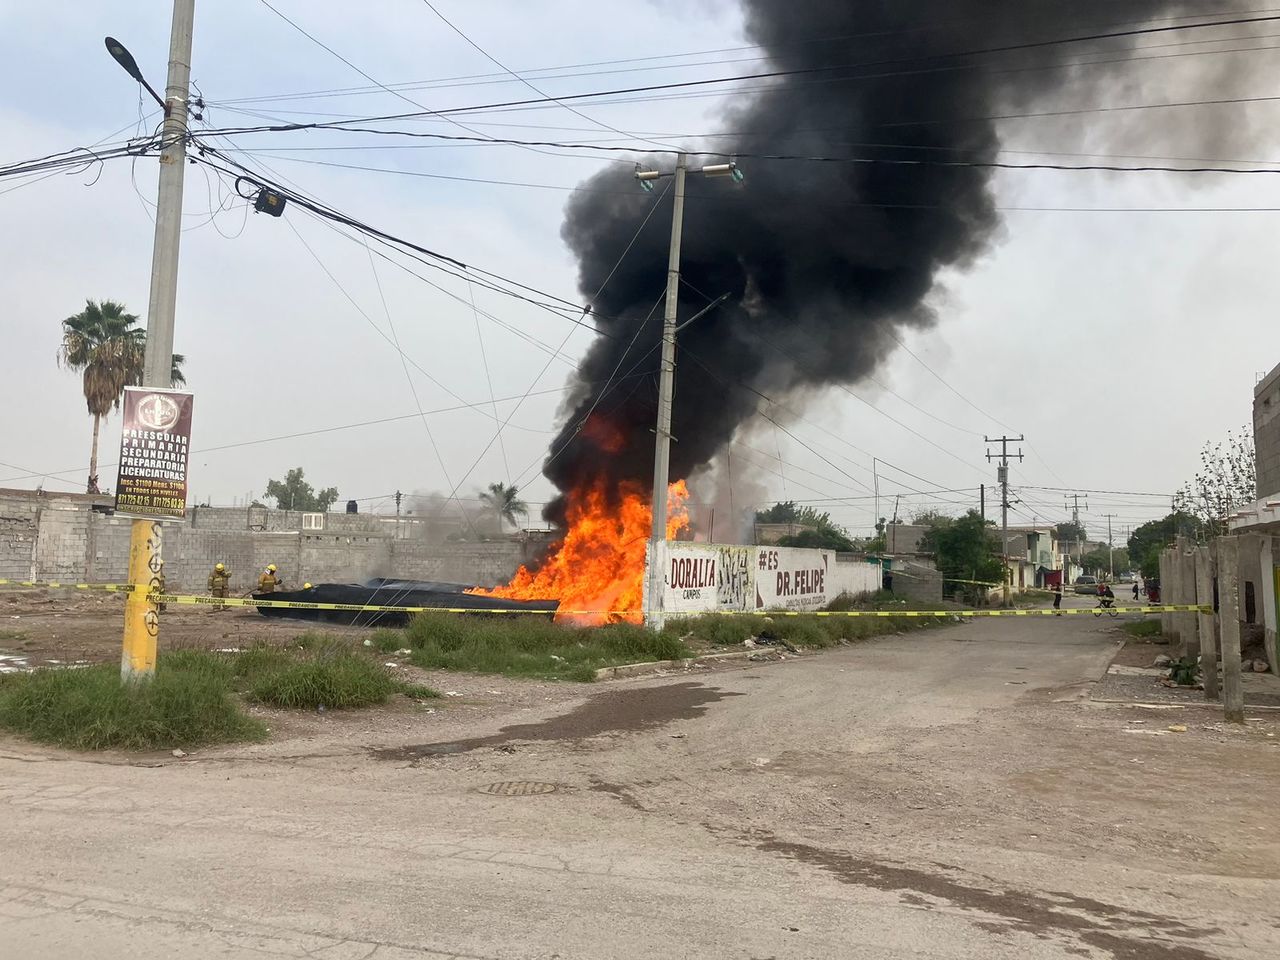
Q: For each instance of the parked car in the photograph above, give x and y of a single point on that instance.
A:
(1128, 576)
(1087, 584)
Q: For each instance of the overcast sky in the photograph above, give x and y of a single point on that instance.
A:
(1118, 342)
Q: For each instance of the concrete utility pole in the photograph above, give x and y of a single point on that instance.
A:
(666, 385)
(1111, 566)
(1205, 561)
(1229, 627)
(141, 616)
(1002, 474)
(667, 377)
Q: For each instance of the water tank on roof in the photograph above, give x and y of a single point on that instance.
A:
(352, 507)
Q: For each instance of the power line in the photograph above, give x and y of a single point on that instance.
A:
(789, 157)
(255, 152)
(793, 72)
(773, 49)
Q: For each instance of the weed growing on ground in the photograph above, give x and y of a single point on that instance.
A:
(531, 646)
(191, 701)
(1143, 629)
(334, 680)
(186, 704)
(387, 641)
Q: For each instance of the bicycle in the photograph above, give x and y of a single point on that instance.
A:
(1105, 606)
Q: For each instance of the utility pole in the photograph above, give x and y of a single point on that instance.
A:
(1111, 565)
(1002, 474)
(875, 480)
(982, 502)
(667, 377)
(141, 616)
(398, 497)
(666, 385)
(1073, 503)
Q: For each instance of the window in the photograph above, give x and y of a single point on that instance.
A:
(313, 521)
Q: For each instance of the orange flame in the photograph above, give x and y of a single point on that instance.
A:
(599, 565)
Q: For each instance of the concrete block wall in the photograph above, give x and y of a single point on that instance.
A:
(484, 564)
(60, 537)
(1266, 433)
(19, 526)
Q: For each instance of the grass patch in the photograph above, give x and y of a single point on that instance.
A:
(1142, 629)
(12, 636)
(805, 630)
(192, 700)
(528, 646)
(387, 641)
(186, 704)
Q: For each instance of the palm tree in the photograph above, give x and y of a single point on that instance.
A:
(505, 503)
(105, 345)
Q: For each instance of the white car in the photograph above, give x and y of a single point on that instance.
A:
(1087, 584)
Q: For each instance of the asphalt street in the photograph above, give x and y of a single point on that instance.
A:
(943, 794)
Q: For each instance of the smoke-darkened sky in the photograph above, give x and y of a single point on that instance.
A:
(827, 262)
(1117, 320)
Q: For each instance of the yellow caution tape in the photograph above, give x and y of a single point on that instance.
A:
(59, 585)
(204, 601)
(379, 608)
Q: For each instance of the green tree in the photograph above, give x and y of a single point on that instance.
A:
(789, 512)
(294, 493)
(828, 538)
(105, 345)
(1069, 534)
(1225, 482)
(505, 503)
(966, 550)
(1146, 542)
(1101, 562)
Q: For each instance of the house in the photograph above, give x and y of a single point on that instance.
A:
(1258, 524)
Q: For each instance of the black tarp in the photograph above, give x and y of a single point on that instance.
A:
(383, 591)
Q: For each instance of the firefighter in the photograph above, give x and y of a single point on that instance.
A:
(219, 580)
(268, 582)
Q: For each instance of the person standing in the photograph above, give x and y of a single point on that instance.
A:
(1057, 599)
(268, 582)
(1135, 591)
(219, 582)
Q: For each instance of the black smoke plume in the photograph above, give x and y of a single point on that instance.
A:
(822, 262)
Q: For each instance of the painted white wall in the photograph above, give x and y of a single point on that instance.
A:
(703, 578)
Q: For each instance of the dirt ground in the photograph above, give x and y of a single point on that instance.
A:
(70, 626)
(953, 794)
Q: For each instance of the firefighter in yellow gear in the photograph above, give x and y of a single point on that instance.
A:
(268, 582)
(219, 580)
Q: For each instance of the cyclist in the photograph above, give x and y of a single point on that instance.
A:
(1106, 596)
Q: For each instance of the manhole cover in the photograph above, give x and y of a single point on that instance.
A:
(518, 788)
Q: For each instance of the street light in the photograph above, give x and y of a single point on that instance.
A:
(122, 56)
(662, 443)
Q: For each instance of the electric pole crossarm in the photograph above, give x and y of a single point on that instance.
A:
(1002, 474)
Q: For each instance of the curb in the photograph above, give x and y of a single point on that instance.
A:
(626, 670)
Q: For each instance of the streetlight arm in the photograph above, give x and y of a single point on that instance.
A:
(123, 57)
(705, 310)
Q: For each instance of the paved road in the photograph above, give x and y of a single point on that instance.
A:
(946, 794)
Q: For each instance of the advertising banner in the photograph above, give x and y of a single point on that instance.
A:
(792, 578)
(151, 481)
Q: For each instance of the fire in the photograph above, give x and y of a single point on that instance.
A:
(599, 565)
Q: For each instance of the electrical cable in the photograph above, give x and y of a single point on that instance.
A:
(1040, 44)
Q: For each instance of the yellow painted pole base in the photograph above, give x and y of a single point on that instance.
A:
(141, 615)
